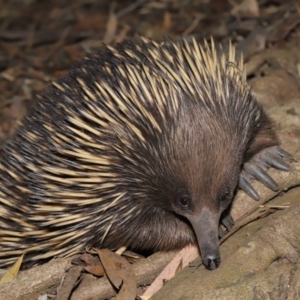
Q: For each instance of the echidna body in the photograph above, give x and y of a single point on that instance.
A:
(142, 145)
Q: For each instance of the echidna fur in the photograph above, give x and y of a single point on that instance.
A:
(141, 145)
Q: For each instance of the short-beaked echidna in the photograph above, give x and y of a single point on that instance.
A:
(142, 145)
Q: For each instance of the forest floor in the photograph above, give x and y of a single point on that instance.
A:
(40, 40)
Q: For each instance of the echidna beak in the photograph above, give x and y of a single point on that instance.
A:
(206, 227)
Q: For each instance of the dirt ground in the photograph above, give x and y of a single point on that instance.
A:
(40, 40)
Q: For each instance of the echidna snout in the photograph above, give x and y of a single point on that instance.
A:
(206, 226)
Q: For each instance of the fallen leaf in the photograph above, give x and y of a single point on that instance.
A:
(90, 259)
(13, 271)
(68, 283)
(181, 260)
(95, 270)
(120, 274)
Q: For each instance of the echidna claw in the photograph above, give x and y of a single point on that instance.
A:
(246, 186)
(257, 166)
(277, 163)
(283, 153)
(262, 176)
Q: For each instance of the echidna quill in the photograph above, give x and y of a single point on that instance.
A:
(143, 146)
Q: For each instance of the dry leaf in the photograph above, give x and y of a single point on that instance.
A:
(181, 260)
(120, 273)
(90, 259)
(95, 270)
(93, 264)
(13, 271)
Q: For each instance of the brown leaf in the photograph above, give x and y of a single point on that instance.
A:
(120, 273)
(95, 270)
(68, 283)
(90, 259)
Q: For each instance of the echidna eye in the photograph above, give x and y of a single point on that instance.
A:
(184, 202)
(225, 197)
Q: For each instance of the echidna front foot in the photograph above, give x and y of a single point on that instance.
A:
(227, 221)
(257, 166)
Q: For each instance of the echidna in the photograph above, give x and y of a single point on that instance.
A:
(142, 145)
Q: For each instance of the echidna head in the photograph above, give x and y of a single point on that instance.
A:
(204, 169)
